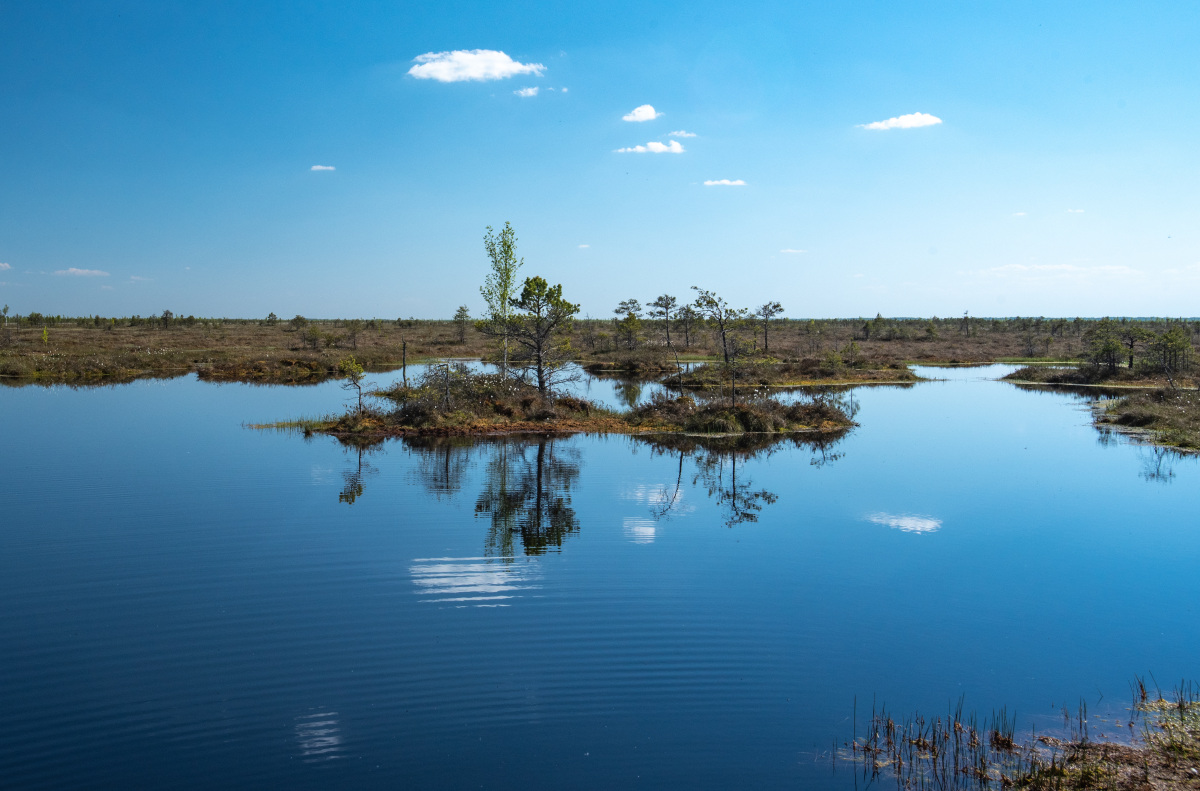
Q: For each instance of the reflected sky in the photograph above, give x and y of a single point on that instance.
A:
(319, 737)
(478, 581)
(907, 523)
(525, 613)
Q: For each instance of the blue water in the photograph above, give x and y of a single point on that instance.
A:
(190, 603)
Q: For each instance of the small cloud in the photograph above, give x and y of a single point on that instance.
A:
(322, 167)
(858, 274)
(907, 523)
(4, 266)
(584, 246)
(138, 279)
(654, 147)
(106, 288)
(463, 65)
(525, 92)
(724, 182)
(564, 90)
(790, 250)
(73, 272)
(681, 133)
(910, 121)
(1018, 214)
(1074, 211)
(645, 112)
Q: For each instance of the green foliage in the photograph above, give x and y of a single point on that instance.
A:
(541, 328)
(354, 375)
(462, 318)
(499, 285)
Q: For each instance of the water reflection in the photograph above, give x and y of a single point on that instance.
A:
(319, 737)
(1159, 462)
(525, 486)
(354, 475)
(481, 582)
(527, 495)
(442, 463)
(718, 465)
(907, 523)
(629, 391)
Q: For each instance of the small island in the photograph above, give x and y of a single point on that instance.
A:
(451, 400)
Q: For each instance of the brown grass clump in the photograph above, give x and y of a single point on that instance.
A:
(1172, 416)
(758, 415)
(1094, 375)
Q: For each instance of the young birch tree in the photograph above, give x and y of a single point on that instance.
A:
(500, 285)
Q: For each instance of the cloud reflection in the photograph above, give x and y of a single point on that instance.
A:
(640, 531)
(319, 736)
(465, 581)
(907, 523)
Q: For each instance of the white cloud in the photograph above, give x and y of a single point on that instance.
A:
(910, 121)
(106, 288)
(724, 182)
(1074, 211)
(654, 147)
(790, 250)
(907, 523)
(584, 246)
(4, 266)
(564, 90)
(138, 279)
(73, 272)
(1018, 214)
(643, 113)
(462, 65)
(527, 91)
(681, 133)
(322, 167)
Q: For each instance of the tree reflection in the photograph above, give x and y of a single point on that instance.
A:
(353, 476)
(720, 466)
(526, 489)
(442, 462)
(629, 391)
(527, 494)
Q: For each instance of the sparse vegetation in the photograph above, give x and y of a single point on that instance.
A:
(449, 399)
(961, 751)
(1166, 416)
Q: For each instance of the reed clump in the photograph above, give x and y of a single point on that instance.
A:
(451, 399)
(806, 371)
(960, 752)
(1171, 416)
(756, 413)
(450, 396)
(644, 361)
(1087, 375)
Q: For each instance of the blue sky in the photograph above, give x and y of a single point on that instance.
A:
(159, 155)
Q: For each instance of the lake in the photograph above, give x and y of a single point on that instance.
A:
(190, 603)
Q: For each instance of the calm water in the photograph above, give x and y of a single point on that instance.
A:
(192, 604)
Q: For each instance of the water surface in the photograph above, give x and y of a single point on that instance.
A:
(190, 603)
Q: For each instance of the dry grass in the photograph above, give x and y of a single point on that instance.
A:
(250, 350)
(1095, 375)
(1172, 416)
